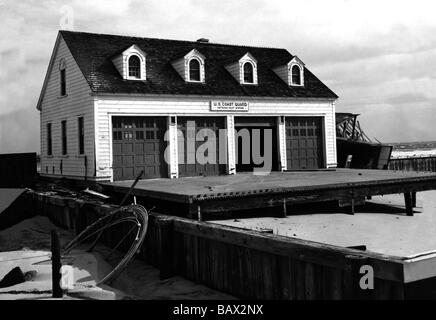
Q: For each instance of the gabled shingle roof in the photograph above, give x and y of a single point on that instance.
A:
(94, 52)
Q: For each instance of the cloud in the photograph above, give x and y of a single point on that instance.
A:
(19, 131)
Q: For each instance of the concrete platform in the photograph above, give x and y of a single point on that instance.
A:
(248, 191)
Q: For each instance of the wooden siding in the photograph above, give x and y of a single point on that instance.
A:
(55, 109)
(186, 106)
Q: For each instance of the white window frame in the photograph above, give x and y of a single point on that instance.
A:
(243, 72)
(301, 67)
(188, 68)
(194, 54)
(248, 58)
(142, 65)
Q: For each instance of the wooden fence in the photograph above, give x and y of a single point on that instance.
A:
(243, 263)
(425, 164)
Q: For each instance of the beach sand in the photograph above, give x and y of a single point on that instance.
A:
(27, 245)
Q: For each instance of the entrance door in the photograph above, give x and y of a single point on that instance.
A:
(189, 165)
(138, 144)
(304, 143)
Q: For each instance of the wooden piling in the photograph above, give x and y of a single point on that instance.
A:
(285, 209)
(56, 265)
(413, 199)
(408, 202)
(352, 207)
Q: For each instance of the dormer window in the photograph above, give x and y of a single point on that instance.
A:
(131, 64)
(296, 75)
(191, 67)
(244, 70)
(134, 67)
(248, 73)
(194, 70)
(292, 73)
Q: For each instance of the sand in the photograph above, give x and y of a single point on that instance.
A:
(381, 225)
(27, 245)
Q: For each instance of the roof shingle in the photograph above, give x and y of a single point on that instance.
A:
(93, 54)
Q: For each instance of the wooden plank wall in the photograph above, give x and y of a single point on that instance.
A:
(243, 263)
(427, 164)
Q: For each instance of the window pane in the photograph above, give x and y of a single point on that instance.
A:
(64, 137)
(81, 136)
(134, 67)
(49, 141)
(128, 135)
(248, 73)
(63, 83)
(139, 135)
(296, 75)
(194, 70)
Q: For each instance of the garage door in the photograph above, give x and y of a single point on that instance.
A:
(189, 165)
(250, 125)
(138, 144)
(304, 143)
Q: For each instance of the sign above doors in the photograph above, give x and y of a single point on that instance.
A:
(230, 106)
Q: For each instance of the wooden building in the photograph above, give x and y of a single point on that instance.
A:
(112, 106)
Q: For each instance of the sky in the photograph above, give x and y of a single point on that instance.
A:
(379, 57)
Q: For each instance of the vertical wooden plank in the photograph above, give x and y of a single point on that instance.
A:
(267, 262)
(309, 278)
(397, 291)
(244, 273)
(284, 278)
(335, 292)
(166, 248)
(299, 279)
(250, 283)
(256, 274)
(188, 253)
(275, 277)
(382, 289)
(218, 267)
(201, 260)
